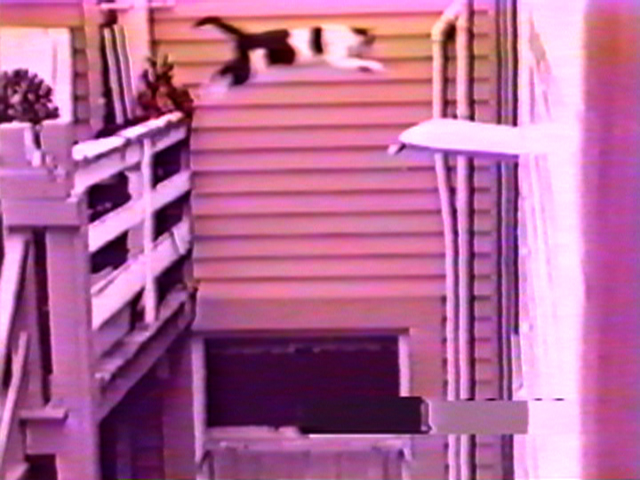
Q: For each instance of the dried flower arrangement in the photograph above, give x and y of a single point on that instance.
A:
(25, 97)
(160, 95)
(157, 97)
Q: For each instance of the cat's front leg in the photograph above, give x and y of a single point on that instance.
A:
(370, 66)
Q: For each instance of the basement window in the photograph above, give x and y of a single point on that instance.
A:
(267, 382)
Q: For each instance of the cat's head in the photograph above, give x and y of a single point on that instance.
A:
(364, 41)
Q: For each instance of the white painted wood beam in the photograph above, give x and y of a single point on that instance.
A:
(111, 294)
(466, 137)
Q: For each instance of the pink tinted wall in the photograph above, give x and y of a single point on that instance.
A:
(611, 205)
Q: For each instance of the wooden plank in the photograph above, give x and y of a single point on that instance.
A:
(176, 23)
(405, 47)
(81, 63)
(327, 181)
(92, 19)
(341, 94)
(134, 342)
(118, 289)
(119, 153)
(114, 159)
(479, 417)
(113, 224)
(310, 203)
(319, 267)
(111, 332)
(286, 138)
(43, 213)
(10, 402)
(81, 90)
(329, 158)
(318, 116)
(284, 225)
(81, 85)
(150, 292)
(73, 382)
(168, 137)
(11, 276)
(365, 287)
(198, 387)
(139, 353)
(329, 246)
(425, 375)
(369, 316)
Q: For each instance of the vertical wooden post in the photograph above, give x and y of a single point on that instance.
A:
(178, 419)
(148, 229)
(136, 23)
(427, 377)
(135, 236)
(73, 382)
(92, 19)
(136, 188)
(198, 366)
(29, 323)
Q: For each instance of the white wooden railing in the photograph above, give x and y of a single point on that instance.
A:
(89, 314)
(131, 151)
(10, 401)
(12, 276)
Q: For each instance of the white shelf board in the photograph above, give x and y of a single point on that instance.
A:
(469, 138)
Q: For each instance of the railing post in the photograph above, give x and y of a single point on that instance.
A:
(148, 229)
(73, 381)
(40, 198)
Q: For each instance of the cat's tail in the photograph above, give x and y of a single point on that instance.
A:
(221, 24)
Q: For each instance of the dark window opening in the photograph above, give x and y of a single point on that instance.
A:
(269, 382)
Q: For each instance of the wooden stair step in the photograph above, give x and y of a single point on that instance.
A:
(131, 344)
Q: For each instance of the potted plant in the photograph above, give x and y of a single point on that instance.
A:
(26, 102)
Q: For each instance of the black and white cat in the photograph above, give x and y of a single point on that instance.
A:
(340, 46)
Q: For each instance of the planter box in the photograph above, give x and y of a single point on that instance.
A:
(13, 148)
(17, 149)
